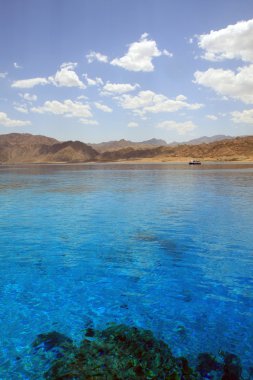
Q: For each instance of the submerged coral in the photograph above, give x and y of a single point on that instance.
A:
(120, 352)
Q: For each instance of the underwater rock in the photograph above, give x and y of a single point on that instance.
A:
(90, 332)
(187, 371)
(207, 363)
(53, 341)
(120, 352)
(232, 367)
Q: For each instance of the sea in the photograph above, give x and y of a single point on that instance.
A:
(164, 247)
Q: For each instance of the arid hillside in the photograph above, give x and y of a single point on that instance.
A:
(26, 148)
(111, 146)
(236, 149)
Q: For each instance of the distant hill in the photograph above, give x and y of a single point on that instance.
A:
(234, 149)
(111, 146)
(27, 148)
(202, 140)
(120, 144)
(207, 140)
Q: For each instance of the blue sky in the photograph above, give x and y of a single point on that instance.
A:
(97, 70)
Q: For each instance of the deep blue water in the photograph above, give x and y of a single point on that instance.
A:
(164, 247)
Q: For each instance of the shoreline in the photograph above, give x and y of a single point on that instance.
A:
(126, 162)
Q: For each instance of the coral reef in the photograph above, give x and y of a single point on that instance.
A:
(120, 352)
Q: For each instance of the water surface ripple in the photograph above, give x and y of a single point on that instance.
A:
(164, 247)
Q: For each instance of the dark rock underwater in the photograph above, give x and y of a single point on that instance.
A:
(120, 352)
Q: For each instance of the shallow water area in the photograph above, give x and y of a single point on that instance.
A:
(166, 247)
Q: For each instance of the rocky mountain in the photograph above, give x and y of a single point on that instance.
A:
(236, 149)
(26, 148)
(25, 139)
(111, 146)
(121, 144)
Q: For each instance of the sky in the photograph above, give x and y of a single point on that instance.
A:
(100, 70)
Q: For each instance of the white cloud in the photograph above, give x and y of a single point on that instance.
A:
(29, 83)
(29, 97)
(66, 76)
(17, 66)
(167, 53)
(67, 108)
(181, 128)
(82, 97)
(181, 97)
(212, 117)
(237, 85)
(93, 82)
(88, 122)
(245, 116)
(69, 65)
(233, 42)
(140, 55)
(102, 107)
(21, 107)
(150, 102)
(118, 88)
(132, 124)
(3, 75)
(95, 56)
(7, 122)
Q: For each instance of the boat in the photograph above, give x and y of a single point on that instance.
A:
(194, 162)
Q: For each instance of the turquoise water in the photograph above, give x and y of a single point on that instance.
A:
(164, 247)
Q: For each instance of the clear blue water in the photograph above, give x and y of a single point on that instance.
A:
(164, 247)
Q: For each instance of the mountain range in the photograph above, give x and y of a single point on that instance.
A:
(27, 148)
(120, 144)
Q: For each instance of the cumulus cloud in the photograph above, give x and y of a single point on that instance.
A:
(245, 116)
(29, 97)
(66, 76)
(102, 107)
(95, 56)
(67, 108)
(93, 82)
(132, 124)
(140, 55)
(181, 128)
(118, 88)
(3, 75)
(212, 117)
(29, 83)
(233, 42)
(7, 122)
(234, 84)
(150, 102)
